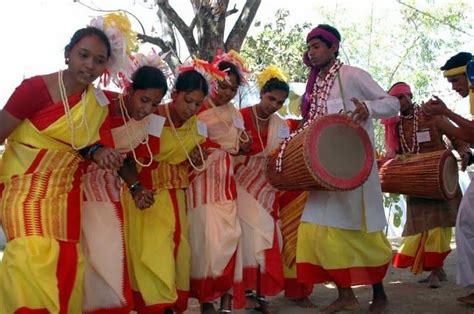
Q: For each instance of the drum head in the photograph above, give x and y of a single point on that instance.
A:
(340, 152)
(450, 176)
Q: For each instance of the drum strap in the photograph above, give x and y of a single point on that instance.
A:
(342, 91)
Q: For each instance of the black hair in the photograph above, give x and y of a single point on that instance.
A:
(191, 81)
(231, 69)
(85, 32)
(149, 77)
(275, 84)
(333, 31)
(457, 60)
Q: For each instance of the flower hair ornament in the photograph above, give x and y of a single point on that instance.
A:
(209, 71)
(123, 40)
(268, 73)
(233, 57)
(151, 59)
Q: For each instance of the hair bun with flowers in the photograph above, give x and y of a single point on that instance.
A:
(123, 41)
(209, 71)
(270, 72)
(151, 59)
(233, 57)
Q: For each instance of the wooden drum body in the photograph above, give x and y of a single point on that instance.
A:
(333, 153)
(429, 175)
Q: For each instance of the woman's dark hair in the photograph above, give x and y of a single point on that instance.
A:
(333, 31)
(230, 68)
(149, 77)
(85, 32)
(275, 84)
(191, 81)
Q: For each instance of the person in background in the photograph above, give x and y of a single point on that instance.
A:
(427, 233)
(341, 237)
(455, 72)
(214, 228)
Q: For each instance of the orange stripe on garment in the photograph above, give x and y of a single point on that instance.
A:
(66, 273)
(346, 277)
(290, 216)
(207, 289)
(25, 310)
(32, 204)
(177, 222)
(431, 260)
(74, 207)
(39, 157)
(297, 290)
(142, 308)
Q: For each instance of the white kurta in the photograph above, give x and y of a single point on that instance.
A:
(465, 239)
(346, 210)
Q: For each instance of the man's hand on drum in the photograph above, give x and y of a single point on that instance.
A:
(361, 112)
(434, 107)
(465, 160)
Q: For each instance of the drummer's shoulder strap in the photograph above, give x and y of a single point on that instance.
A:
(341, 90)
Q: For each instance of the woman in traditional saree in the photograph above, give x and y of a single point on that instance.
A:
(214, 229)
(257, 200)
(157, 237)
(106, 282)
(46, 121)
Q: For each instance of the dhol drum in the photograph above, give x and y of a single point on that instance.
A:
(332, 153)
(430, 175)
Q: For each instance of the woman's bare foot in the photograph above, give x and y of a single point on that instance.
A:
(378, 306)
(263, 305)
(250, 300)
(346, 301)
(304, 302)
(208, 308)
(467, 299)
(226, 303)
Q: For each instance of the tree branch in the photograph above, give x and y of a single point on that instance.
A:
(154, 40)
(241, 27)
(183, 29)
(233, 11)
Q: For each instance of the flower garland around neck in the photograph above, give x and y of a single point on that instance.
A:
(126, 118)
(317, 109)
(67, 112)
(180, 141)
(229, 127)
(415, 148)
(254, 110)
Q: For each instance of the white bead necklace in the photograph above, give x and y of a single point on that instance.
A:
(67, 112)
(180, 141)
(125, 115)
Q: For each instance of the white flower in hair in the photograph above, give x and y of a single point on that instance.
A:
(123, 40)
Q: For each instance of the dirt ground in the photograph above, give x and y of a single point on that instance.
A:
(405, 294)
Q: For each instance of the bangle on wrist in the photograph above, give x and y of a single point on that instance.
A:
(94, 148)
(134, 186)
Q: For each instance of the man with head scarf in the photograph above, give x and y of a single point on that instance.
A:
(427, 232)
(455, 72)
(341, 237)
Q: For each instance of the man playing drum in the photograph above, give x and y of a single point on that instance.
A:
(455, 72)
(341, 237)
(428, 230)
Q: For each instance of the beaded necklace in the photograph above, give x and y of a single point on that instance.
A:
(180, 141)
(254, 110)
(244, 140)
(67, 112)
(415, 148)
(125, 114)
